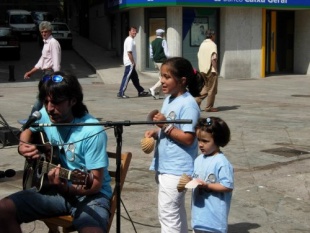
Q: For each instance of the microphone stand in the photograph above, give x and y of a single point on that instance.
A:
(118, 131)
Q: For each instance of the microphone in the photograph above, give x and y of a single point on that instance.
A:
(33, 118)
(7, 173)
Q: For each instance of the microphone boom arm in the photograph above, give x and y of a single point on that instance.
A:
(113, 123)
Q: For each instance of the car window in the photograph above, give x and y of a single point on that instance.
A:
(21, 19)
(39, 17)
(5, 32)
(43, 16)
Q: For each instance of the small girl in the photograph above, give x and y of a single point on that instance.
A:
(214, 173)
(176, 146)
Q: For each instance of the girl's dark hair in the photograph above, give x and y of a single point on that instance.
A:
(217, 127)
(181, 67)
(69, 88)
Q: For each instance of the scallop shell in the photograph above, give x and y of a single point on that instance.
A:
(147, 145)
(151, 115)
(182, 182)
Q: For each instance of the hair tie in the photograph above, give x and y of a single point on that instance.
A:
(195, 71)
(209, 121)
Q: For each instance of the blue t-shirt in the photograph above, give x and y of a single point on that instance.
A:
(210, 209)
(80, 147)
(171, 157)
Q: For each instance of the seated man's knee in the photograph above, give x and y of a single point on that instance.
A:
(7, 209)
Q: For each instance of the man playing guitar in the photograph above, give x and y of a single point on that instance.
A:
(80, 147)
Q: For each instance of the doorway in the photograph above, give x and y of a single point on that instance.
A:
(279, 42)
(155, 19)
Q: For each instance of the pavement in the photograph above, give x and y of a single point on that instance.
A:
(269, 119)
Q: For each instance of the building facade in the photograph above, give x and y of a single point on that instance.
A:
(255, 38)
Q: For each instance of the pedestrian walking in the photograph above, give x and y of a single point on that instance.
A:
(129, 59)
(207, 62)
(159, 53)
(50, 59)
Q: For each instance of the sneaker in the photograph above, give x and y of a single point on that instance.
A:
(122, 96)
(144, 94)
(152, 93)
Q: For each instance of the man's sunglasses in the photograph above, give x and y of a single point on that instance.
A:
(54, 78)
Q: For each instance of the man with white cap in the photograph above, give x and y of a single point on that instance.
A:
(159, 53)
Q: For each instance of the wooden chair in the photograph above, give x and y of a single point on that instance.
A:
(66, 221)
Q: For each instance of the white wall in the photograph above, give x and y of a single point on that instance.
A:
(302, 42)
(241, 32)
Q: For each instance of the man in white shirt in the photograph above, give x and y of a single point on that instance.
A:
(50, 59)
(129, 59)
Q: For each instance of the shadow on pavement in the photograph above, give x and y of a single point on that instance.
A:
(242, 227)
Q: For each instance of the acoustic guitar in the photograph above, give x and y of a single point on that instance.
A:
(35, 170)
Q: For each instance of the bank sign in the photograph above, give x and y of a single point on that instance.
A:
(215, 3)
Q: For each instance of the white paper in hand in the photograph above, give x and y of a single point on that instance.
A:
(192, 184)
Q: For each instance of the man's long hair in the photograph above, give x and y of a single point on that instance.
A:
(69, 88)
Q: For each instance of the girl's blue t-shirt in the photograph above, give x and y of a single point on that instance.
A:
(210, 209)
(171, 157)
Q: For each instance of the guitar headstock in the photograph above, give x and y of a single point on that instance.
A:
(80, 177)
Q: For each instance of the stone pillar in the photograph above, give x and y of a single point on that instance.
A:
(174, 30)
(136, 18)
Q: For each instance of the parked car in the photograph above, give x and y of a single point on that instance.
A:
(9, 43)
(39, 16)
(62, 33)
(22, 23)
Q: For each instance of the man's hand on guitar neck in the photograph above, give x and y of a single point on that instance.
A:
(28, 151)
(76, 188)
(53, 178)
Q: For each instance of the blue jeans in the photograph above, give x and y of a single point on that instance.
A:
(36, 106)
(87, 211)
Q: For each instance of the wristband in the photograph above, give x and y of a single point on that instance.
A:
(168, 128)
(164, 127)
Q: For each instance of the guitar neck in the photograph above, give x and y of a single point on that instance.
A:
(63, 173)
